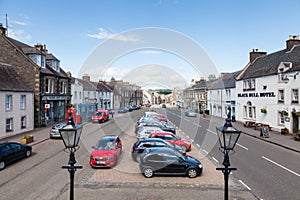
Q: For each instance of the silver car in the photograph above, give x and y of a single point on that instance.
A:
(54, 131)
(190, 113)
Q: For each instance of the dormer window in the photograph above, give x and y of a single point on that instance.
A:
(38, 59)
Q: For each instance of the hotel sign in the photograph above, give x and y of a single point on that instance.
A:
(256, 94)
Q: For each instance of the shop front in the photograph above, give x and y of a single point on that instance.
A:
(54, 109)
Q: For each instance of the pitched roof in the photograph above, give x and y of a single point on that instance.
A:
(226, 81)
(268, 64)
(10, 80)
(104, 87)
(87, 85)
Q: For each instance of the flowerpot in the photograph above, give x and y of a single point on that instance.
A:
(27, 140)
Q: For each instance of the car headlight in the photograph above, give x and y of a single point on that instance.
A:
(110, 157)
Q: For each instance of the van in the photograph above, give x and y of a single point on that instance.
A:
(100, 116)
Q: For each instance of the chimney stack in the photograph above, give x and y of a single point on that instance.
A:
(86, 77)
(292, 41)
(255, 54)
(2, 30)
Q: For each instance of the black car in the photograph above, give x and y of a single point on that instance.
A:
(144, 143)
(13, 151)
(166, 161)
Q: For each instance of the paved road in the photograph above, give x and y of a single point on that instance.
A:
(41, 175)
(267, 170)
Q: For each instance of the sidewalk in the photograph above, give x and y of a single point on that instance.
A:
(285, 141)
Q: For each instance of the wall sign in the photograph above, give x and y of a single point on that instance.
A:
(256, 94)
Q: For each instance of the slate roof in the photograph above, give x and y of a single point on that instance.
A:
(268, 64)
(104, 87)
(226, 81)
(50, 56)
(10, 80)
(88, 86)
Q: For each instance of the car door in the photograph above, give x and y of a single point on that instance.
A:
(18, 150)
(174, 164)
(7, 153)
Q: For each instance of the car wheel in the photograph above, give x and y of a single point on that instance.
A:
(192, 173)
(2, 165)
(148, 172)
(28, 153)
(183, 148)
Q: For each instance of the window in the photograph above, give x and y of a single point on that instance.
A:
(249, 111)
(8, 102)
(62, 87)
(249, 84)
(49, 88)
(9, 124)
(23, 122)
(281, 118)
(75, 95)
(281, 96)
(295, 96)
(22, 101)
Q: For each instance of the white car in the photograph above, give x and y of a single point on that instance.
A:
(145, 131)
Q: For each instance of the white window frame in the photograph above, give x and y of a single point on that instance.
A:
(8, 102)
(23, 122)
(9, 124)
(280, 95)
(249, 111)
(295, 95)
(23, 102)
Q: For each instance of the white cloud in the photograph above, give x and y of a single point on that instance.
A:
(20, 23)
(104, 34)
(18, 34)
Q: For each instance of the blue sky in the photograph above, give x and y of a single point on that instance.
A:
(226, 30)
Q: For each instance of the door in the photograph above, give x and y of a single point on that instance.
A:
(295, 122)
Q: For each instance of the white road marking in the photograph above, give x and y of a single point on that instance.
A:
(211, 131)
(215, 159)
(198, 145)
(196, 124)
(245, 185)
(186, 119)
(242, 146)
(192, 141)
(279, 165)
(204, 151)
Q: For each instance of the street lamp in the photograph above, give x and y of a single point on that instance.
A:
(228, 137)
(70, 135)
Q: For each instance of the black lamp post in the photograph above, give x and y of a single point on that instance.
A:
(228, 137)
(70, 134)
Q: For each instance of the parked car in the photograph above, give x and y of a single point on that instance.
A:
(163, 105)
(190, 113)
(13, 151)
(54, 131)
(174, 139)
(123, 110)
(100, 116)
(142, 144)
(148, 105)
(135, 107)
(166, 161)
(145, 131)
(154, 122)
(107, 151)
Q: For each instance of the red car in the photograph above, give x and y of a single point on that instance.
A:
(160, 117)
(106, 152)
(148, 105)
(100, 116)
(174, 139)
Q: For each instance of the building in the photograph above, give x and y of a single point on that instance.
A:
(105, 95)
(222, 94)
(41, 72)
(17, 112)
(268, 88)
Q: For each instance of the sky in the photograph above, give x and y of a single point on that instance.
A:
(166, 43)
